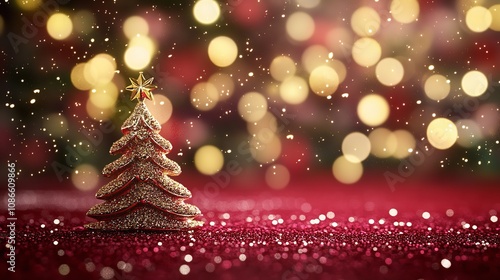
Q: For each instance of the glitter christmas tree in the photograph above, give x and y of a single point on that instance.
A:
(142, 196)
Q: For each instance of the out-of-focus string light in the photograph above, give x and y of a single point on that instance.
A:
(389, 71)
(265, 146)
(252, 106)
(314, 56)
(495, 17)
(346, 171)
(373, 109)
(356, 147)
(365, 21)
(405, 143)
(100, 70)
(135, 26)
(300, 26)
(405, 11)
(206, 11)
(204, 96)
(474, 83)
(59, 26)
(222, 51)
(324, 80)
(161, 108)
(382, 142)
(478, 19)
(366, 51)
(442, 133)
(28, 5)
(294, 90)
(85, 177)
(223, 83)
(208, 160)
(139, 52)
(437, 87)
(282, 67)
(277, 176)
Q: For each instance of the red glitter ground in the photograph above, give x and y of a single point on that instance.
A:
(347, 232)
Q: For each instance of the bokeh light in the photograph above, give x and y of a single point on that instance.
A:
(383, 142)
(406, 143)
(277, 176)
(324, 80)
(308, 4)
(161, 108)
(206, 11)
(78, 77)
(99, 70)
(222, 51)
(437, 87)
(495, 20)
(300, 26)
(59, 26)
(294, 90)
(356, 147)
(282, 67)
(85, 177)
(389, 71)
(104, 96)
(365, 21)
(135, 26)
(474, 83)
(373, 109)
(204, 96)
(208, 160)
(265, 146)
(314, 56)
(347, 172)
(366, 51)
(469, 133)
(478, 19)
(223, 83)
(252, 106)
(442, 133)
(405, 11)
(83, 21)
(28, 5)
(266, 123)
(139, 52)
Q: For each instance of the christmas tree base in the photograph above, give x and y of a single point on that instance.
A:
(145, 219)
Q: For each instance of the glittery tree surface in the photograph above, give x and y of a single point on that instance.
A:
(143, 196)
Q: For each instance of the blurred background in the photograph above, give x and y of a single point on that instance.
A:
(255, 93)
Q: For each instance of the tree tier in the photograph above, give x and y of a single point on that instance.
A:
(145, 219)
(139, 195)
(145, 152)
(141, 112)
(132, 175)
(135, 137)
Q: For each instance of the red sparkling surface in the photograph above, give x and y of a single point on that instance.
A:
(303, 232)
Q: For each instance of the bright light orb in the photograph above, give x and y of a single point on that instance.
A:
(222, 51)
(366, 52)
(282, 67)
(405, 11)
(294, 90)
(135, 26)
(495, 14)
(85, 177)
(373, 110)
(252, 106)
(204, 96)
(469, 133)
(474, 83)
(59, 26)
(442, 133)
(324, 80)
(356, 147)
(389, 71)
(478, 19)
(405, 143)
(208, 160)
(437, 87)
(300, 26)
(277, 176)
(347, 172)
(365, 21)
(383, 142)
(206, 11)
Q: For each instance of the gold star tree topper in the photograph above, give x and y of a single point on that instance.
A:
(141, 88)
